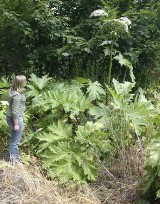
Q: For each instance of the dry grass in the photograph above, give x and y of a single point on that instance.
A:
(21, 185)
(27, 184)
(124, 188)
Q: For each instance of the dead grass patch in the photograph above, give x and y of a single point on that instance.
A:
(27, 185)
(125, 187)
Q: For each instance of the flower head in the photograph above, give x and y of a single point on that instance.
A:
(123, 24)
(123, 21)
(126, 20)
(99, 12)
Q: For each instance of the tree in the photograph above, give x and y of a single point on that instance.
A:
(61, 38)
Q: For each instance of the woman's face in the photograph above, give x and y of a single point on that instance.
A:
(24, 83)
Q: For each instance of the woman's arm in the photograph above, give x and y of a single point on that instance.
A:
(15, 110)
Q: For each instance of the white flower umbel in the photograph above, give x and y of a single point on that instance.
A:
(99, 12)
(124, 25)
(123, 21)
(126, 20)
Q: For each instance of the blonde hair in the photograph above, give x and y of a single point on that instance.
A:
(19, 83)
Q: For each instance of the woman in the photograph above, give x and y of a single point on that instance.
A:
(14, 116)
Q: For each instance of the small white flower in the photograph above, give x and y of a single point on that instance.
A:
(54, 9)
(99, 12)
(113, 33)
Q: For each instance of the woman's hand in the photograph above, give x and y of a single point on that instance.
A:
(16, 127)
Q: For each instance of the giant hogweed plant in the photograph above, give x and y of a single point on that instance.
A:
(71, 144)
(4, 130)
(62, 99)
(4, 87)
(37, 85)
(116, 28)
(3, 124)
(128, 118)
(128, 115)
(151, 179)
(135, 108)
(72, 155)
(78, 128)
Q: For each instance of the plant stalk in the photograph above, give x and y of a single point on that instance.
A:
(110, 69)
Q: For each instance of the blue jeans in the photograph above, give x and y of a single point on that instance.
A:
(15, 137)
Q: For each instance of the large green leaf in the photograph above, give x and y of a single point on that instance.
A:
(91, 134)
(69, 162)
(90, 127)
(102, 113)
(139, 111)
(72, 156)
(56, 132)
(121, 95)
(95, 90)
(153, 155)
(40, 83)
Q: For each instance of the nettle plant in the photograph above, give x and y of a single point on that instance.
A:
(77, 128)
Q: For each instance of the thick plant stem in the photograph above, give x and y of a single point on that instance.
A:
(110, 64)
(110, 70)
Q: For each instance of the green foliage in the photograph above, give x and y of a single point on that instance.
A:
(142, 201)
(61, 38)
(72, 156)
(3, 123)
(70, 129)
(102, 113)
(126, 63)
(77, 128)
(95, 90)
(70, 145)
(37, 85)
(4, 83)
(4, 130)
(40, 83)
(151, 178)
(71, 102)
(145, 16)
(66, 97)
(121, 95)
(138, 111)
(4, 86)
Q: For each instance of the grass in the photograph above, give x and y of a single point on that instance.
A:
(27, 185)
(118, 183)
